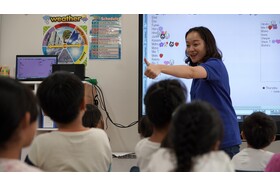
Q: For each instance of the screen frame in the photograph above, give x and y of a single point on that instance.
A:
(140, 67)
(77, 69)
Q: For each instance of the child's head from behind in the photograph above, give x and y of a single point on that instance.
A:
(18, 112)
(162, 98)
(196, 129)
(259, 130)
(92, 117)
(61, 96)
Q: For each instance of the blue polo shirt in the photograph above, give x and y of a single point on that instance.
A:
(215, 90)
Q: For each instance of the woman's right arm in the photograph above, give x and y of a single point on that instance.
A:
(180, 71)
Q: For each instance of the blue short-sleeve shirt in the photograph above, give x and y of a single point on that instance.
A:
(215, 90)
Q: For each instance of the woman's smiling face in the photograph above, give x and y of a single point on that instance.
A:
(196, 49)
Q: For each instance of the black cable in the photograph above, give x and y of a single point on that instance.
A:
(103, 106)
(101, 100)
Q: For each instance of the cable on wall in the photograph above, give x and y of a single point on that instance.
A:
(99, 100)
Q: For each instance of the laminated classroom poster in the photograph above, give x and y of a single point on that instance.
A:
(66, 36)
(105, 36)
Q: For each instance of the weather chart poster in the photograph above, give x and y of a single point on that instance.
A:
(105, 36)
(66, 37)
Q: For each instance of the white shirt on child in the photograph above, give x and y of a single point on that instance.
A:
(85, 151)
(215, 161)
(249, 159)
(144, 149)
(14, 165)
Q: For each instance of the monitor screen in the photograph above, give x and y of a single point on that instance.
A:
(34, 67)
(251, 53)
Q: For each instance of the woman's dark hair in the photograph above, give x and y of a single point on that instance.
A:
(162, 98)
(212, 51)
(91, 116)
(195, 129)
(16, 99)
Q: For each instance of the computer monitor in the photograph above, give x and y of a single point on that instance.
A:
(77, 69)
(34, 67)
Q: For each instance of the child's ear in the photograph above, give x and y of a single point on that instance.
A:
(274, 138)
(242, 135)
(27, 130)
(25, 121)
(83, 104)
(217, 145)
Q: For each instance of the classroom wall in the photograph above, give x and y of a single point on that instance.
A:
(118, 79)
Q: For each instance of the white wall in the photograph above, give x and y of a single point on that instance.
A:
(23, 34)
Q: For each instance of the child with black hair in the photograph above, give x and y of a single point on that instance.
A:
(93, 117)
(192, 144)
(259, 130)
(18, 114)
(145, 127)
(161, 99)
(72, 147)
